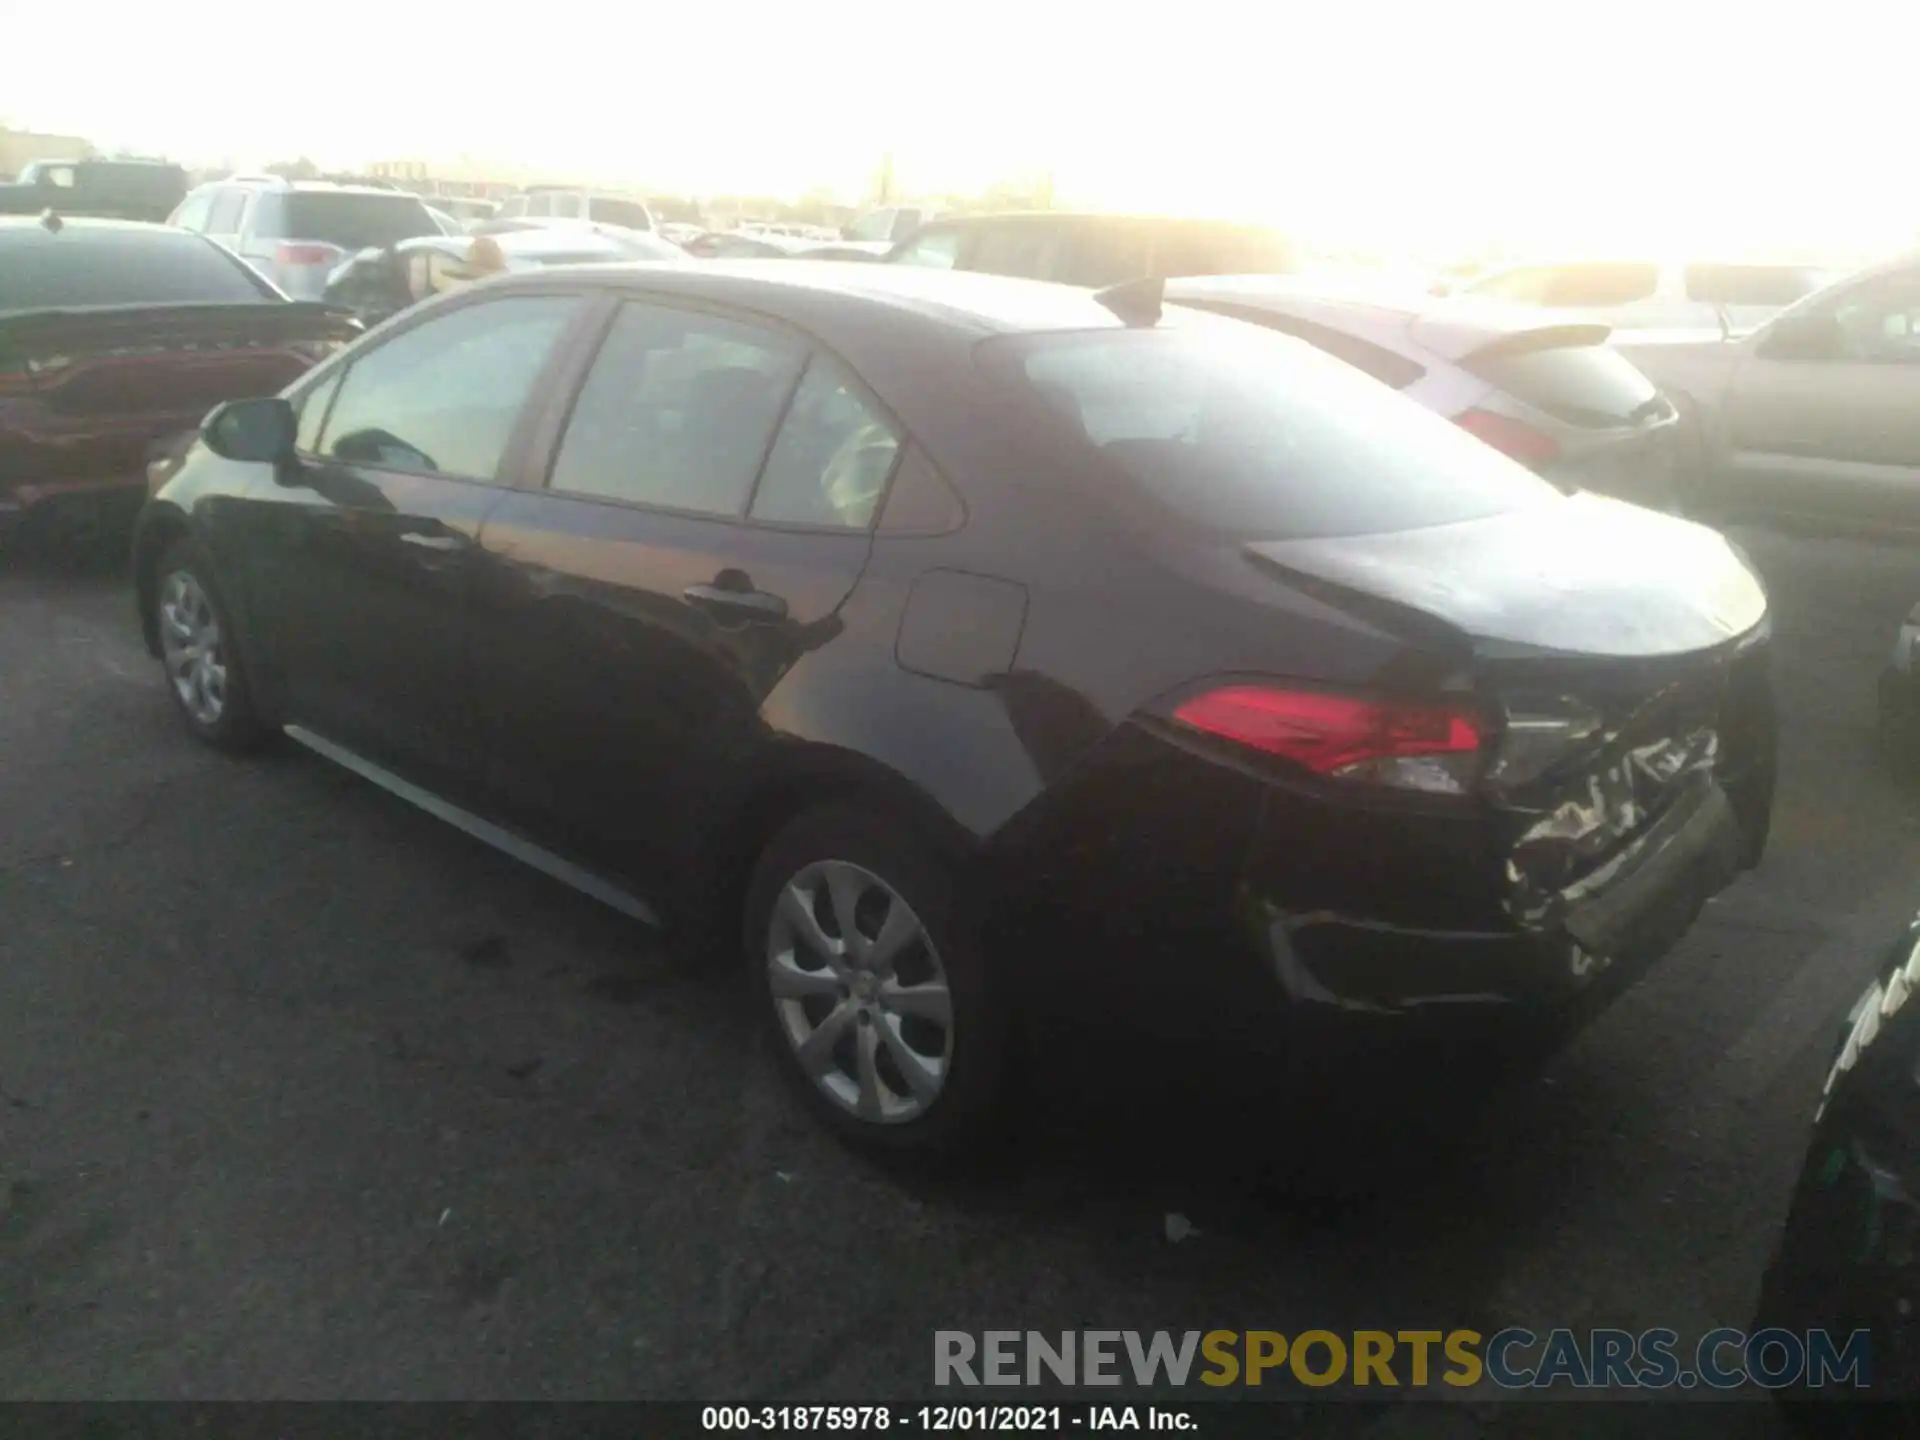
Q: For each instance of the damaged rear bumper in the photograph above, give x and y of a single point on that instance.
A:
(1614, 925)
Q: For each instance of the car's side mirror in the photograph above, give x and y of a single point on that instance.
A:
(261, 431)
(1812, 335)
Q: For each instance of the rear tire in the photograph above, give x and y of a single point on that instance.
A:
(894, 1037)
(204, 672)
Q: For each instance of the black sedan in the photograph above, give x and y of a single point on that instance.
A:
(978, 652)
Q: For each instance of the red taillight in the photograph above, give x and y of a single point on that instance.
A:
(1514, 438)
(307, 254)
(1417, 746)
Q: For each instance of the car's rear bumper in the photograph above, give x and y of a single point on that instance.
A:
(1652, 893)
(1166, 892)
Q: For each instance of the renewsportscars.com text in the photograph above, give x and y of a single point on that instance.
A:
(1513, 1359)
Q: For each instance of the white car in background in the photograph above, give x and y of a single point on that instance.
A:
(1708, 297)
(1548, 392)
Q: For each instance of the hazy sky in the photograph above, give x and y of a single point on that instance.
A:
(1413, 125)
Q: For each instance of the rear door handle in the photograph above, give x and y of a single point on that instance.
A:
(445, 544)
(754, 604)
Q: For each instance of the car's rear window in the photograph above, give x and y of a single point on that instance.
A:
(1580, 384)
(81, 265)
(1241, 432)
(353, 222)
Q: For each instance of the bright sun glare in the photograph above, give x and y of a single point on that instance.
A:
(1408, 130)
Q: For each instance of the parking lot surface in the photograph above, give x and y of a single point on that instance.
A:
(304, 1094)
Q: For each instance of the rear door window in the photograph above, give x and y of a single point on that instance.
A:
(350, 221)
(224, 217)
(1227, 429)
(830, 462)
(678, 411)
(1576, 287)
(193, 212)
(1588, 385)
(443, 396)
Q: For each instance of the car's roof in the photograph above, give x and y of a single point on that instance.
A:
(963, 302)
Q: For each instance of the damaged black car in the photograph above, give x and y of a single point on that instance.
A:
(975, 655)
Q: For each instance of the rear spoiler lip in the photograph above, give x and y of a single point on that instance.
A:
(1567, 336)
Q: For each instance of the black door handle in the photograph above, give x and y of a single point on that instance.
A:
(750, 604)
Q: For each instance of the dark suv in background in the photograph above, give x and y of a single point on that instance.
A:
(111, 189)
(1095, 250)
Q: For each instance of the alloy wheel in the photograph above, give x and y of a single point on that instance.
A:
(860, 992)
(190, 644)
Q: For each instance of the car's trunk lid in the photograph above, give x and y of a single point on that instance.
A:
(1620, 655)
(1586, 577)
(85, 392)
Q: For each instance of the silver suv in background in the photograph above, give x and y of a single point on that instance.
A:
(296, 233)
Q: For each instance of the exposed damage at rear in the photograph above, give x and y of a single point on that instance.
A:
(1625, 765)
(1584, 784)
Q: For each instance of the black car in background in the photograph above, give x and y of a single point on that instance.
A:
(980, 655)
(114, 338)
(1095, 250)
(103, 189)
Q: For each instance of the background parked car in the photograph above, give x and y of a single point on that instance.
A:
(1550, 394)
(741, 245)
(555, 202)
(378, 283)
(467, 209)
(297, 232)
(1813, 419)
(634, 244)
(962, 647)
(1094, 250)
(113, 189)
(115, 336)
(1706, 297)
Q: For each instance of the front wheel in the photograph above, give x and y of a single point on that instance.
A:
(204, 673)
(876, 993)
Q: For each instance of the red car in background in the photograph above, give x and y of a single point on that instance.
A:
(116, 337)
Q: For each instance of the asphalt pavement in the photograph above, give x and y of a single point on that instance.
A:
(305, 1095)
